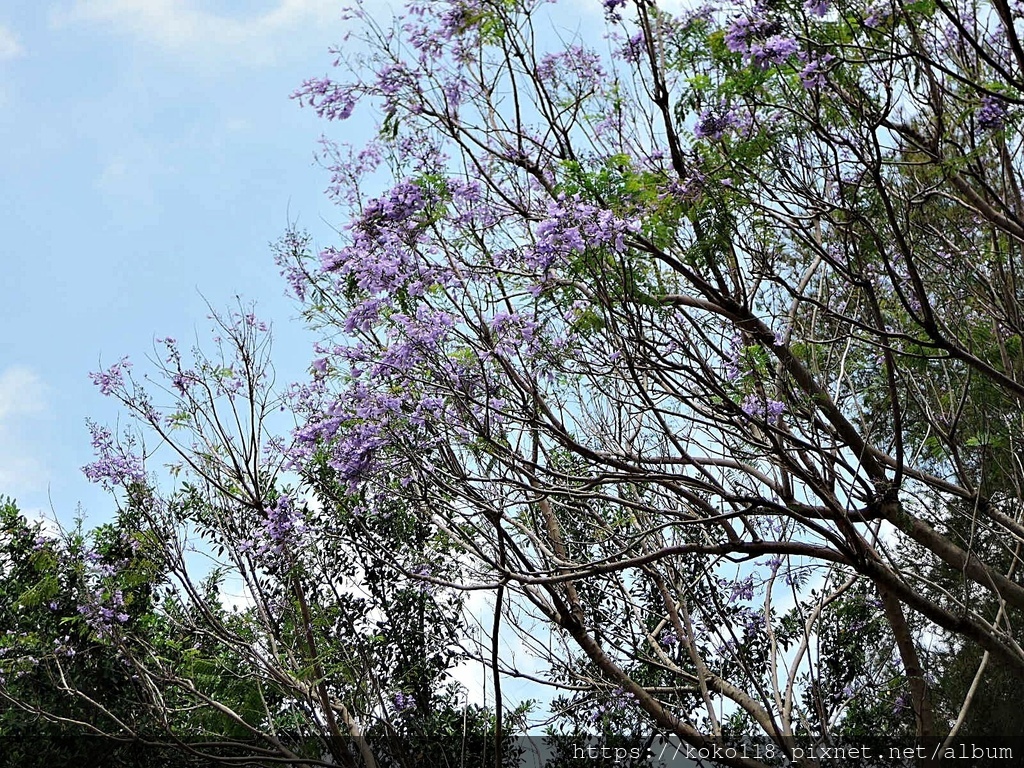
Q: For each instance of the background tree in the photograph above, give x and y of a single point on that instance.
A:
(233, 619)
(700, 334)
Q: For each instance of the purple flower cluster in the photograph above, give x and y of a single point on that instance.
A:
(758, 407)
(288, 254)
(713, 124)
(115, 465)
(573, 225)
(436, 29)
(760, 39)
(775, 50)
(739, 589)
(576, 68)
(381, 257)
(280, 530)
(112, 379)
(619, 701)
(633, 48)
(514, 333)
(732, 362)
(284, 520)
(611, 9)
(877, 13)
(398, 209)
(103, 611)
(392, 78)
(752, 621)
(331, 100)
(814, 72)
(382, 403)
(992, 113)
(456, 20)
(403, 702)
(817, 8)
(63, 647)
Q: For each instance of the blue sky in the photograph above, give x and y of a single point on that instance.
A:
(150, 153)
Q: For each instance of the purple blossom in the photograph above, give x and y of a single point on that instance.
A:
(453, 90)
(573, 226)
(817, 8)
(743, 31)
(404, 702)
(331, 100)
(455, 21)
(103, 610)
(775, 50)
(183, 380)
(391, 78)
(288, 255)
(283, 520)
(814, 72)
(633, 49)
(515, 334)
(619, 701)
(714, 123)
(115, 465)
(669, 639)
(877, 13)
(732, 362)
(759, 39)
(381, 257)
(758, 407)
(575, 67)
(752, 621)
(252, 321)
(228, 384)
(111, 379)
(611, 9)
(742, 589)
(992, 113)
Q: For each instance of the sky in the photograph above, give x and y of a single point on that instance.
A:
(150, 153)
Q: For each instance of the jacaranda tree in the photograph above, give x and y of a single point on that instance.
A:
(700, 340)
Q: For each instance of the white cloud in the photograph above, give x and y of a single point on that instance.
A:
(185, 28)
(10, 48)
(20, 392)
(21, 396)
